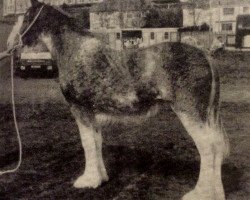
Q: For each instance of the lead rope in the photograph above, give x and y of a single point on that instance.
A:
(14, 117)
(13, 96)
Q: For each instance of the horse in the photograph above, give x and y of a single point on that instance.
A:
(102, 85)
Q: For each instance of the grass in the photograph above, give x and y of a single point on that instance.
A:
(154, 160)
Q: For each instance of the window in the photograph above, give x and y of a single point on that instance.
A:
(246, 9)
(227, 27)
(191, 12)
(228, 11)
(173, 37)
(231, 39)
(166, 36)
(118, 36)
(152, 36)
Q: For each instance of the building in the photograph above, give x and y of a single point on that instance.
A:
(119, 39)
(125, 22)
(224, 17)
(243, 31)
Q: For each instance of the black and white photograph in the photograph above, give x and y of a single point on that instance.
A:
(125, 99)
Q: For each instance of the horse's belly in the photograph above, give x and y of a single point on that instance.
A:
(107, 118)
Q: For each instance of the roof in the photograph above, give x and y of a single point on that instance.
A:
(229, 2)
(120, 5)
(202, 4)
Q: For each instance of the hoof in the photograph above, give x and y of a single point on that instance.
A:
(85, 181)
(200, 195)
(105, 177)
(194, 195)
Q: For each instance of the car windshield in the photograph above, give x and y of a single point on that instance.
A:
(35, 56)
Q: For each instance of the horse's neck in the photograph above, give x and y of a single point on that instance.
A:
(60, 44)
(47, 40)
(70, 47)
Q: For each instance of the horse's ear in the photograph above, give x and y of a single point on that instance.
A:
(35, 3)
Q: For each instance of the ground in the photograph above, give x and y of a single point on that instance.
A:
(153, 161)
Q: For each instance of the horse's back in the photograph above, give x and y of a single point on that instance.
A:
(181, 73)
(172, 72)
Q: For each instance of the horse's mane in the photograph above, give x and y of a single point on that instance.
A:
(72, 23)
(77, 26)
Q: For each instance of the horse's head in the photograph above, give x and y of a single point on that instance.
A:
(39, 19)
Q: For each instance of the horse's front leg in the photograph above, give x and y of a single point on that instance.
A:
(95, 172)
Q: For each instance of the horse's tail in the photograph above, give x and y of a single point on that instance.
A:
(213, 112)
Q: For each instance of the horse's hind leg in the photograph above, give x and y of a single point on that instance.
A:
(212, 145)
(95, 172)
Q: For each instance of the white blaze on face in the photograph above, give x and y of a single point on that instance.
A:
(47, 41)
(15, 31)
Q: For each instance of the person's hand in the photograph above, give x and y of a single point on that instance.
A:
(4, 54)
(9, 50)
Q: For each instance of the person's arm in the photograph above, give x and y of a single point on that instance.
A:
(4, 55)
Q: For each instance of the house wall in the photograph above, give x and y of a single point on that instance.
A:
(159, 36)
(9, 7)
(105, 20)
(21, 6)
(220, 18)
(188, 17)
(133, 19)
(197, 16)
(116, 19)
(203, 16)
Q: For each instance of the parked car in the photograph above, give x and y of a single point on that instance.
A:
(38, 64)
